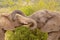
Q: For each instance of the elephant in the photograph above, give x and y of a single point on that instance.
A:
(7, 23)
(13, 20)
(48, 21)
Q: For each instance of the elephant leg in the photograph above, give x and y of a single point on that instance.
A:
(58, 36)
(1, 35)
(52, 36)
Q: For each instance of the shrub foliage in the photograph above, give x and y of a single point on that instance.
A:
(24, 33)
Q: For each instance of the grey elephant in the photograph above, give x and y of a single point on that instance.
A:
(46, 21)
(12, 21)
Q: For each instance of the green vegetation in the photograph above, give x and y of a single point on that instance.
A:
(29, 6)
(24, 33)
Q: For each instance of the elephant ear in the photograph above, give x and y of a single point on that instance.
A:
(13, 14)
(52, 25)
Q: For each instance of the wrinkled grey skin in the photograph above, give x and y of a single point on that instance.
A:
(14, 20)
(49, 22)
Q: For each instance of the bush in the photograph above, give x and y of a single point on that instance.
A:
(24, 33)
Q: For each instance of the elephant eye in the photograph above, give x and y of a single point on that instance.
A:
(3, 30)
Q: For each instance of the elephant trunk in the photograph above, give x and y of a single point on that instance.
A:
(33, 24)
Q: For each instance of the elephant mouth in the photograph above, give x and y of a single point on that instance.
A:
(26, 24)
(23, 24)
